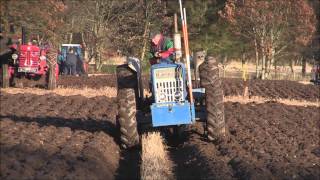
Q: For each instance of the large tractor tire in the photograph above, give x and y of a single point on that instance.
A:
(209, 79)
(5, 78)
(127, 106)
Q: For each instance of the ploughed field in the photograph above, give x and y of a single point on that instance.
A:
(75, 137)
(231, 86)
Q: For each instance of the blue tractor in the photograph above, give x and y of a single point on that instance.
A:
(169, 104)
(82, 66)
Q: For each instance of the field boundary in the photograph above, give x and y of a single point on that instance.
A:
(66, 91)
(111, 92)
(260, 100)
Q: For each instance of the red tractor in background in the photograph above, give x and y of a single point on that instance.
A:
(29, 62)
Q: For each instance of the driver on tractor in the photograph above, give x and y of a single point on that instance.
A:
(161, 49)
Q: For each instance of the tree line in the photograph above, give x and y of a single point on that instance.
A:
(270, 33)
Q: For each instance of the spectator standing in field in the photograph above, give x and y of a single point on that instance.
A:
(71, 63)
(60, 61)
(80, 68)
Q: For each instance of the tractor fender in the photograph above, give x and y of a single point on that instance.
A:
(134, 64)
(11, 71)
(198, 60)
(42, 67)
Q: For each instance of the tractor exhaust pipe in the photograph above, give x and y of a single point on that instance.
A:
(23, 35)
(11, 28)
(177, 40)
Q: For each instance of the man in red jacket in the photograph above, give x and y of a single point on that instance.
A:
(161, 49)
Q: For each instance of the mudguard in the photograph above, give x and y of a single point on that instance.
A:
(134, 64)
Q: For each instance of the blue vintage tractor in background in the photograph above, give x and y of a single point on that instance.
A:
(82, 65)
(169, 104)
(76, 47)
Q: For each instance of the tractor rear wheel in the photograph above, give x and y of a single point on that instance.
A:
(215, 122)
(5, 76)
(51, 76)
(127, 106)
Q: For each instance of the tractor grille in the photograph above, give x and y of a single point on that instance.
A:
(168, 85)
(29, 59)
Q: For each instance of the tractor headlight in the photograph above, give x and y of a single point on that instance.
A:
(162, 96)
(177, 95)
(43, 58)
(14, 56)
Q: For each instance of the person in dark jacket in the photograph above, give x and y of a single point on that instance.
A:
(80, 68)
(60, 61)
(71, 63)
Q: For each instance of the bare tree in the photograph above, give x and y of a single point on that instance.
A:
(273, 26)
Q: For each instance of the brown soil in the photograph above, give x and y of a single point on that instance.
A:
(57, 137)
(100, 81)
(75, 137)
(273, 89)
(73, 81)
(266, 141)
(91, 82)
(267, 88)
(232, 86)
